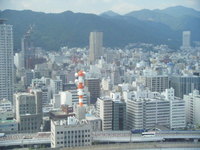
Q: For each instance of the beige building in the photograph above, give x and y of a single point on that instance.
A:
(29, 111)
(157, 83)
(96, 46)
(104, 111)
(70, 133)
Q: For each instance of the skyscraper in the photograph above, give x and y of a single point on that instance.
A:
(6, 61)
(93, 85)
(186, 39)
(185, 84)
(118, 114)
(27, 49)
(96, 46)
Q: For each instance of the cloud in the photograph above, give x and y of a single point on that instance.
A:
(194, 4)
(124, 7)
(94, 6)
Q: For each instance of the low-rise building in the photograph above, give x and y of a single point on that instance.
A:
(70, 133)
(95, 122)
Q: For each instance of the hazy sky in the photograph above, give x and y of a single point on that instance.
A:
(94, 6)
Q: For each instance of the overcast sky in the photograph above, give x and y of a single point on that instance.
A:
(94, 6)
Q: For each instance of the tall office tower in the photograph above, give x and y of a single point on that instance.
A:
(157, 83)
(93, 85)
(192, 104)
(27, 49)
(6, 62)
(29, 111)
(186, 39)
(184, 84)
(104, 111)
(96, 46)
(118, 112)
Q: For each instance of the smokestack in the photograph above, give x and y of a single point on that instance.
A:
(80, 86)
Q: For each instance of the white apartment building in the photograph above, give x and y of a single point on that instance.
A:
(6, 62)
(70, 97)
(192, 102)
(177, 110)
(70, 133)
(149, 110)
(104, 111)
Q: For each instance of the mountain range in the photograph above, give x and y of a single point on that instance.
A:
(53, 30)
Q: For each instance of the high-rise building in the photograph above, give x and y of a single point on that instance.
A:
(104, 111)
(93, 85)
(192, 104)
(6, 61)
(29, 111)
(186, 39)
(177, 110)
(118, 112)
(155, 109)
(28, 52)
(157, 83)
(146, 114)
(184, 84)
(96, 46)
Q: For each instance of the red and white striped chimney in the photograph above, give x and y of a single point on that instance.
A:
(80, 86)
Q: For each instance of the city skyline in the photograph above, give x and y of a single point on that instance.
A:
(86, 80)
(95, 6)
